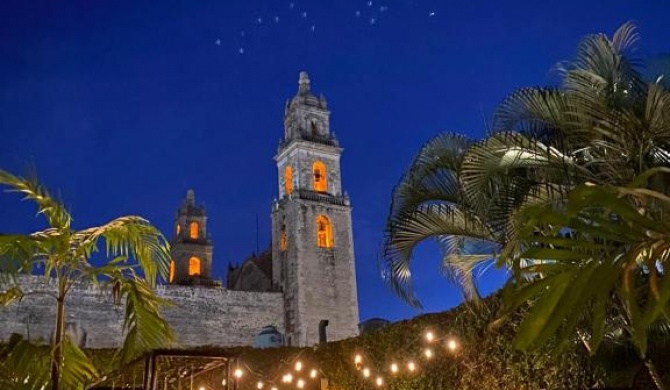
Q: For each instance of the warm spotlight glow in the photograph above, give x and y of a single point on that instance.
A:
(298, 365)
(430, 336)
(300, 383)
(238, 373)
(366, 372)
(411, 366)
(379, 381)
(452, 345)
(313, 374)
(394, 368)
(259, 385)
(428, 353)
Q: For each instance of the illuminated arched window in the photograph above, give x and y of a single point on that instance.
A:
(283, 240)
(324, 232)
(288, 179)
(319, 176)
(194, 266)
(172, 271)
(178, 229)
(194, 230)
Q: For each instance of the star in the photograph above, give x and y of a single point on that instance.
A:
(369, 3)
(218, 42)
(291, 5)
(358, 13)
(276, 19)
(304, 14)
(313, 27)
(241, 50)
(431, 13)
(373, 21)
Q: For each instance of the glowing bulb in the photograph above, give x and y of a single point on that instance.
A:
(430, 336)
(411, 366)
(224, 382)
(394, 368)
(313, 373)
(298, 365)
(274, 388)
(288, 378)
(300, 383)
(358, 359)
(201, 388)
(259, 385)
(379, 381)
(452, 345)
(366, 372)
(238, 373)
(428, 352)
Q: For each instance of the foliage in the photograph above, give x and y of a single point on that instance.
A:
(603, 125)
(135, 256)
(599, 268)
(486, 358)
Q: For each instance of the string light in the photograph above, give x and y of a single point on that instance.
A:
(274, 388)
(288, 378)
(313, 373)
(430, 336)
(428, 352)
(300, 383)
(394, 368)
(411, 366)
(238, 373)
(201, 388)
(224, 382)
(259, 385)
(366, 372)
(380, 381)
(452, 345)
(298, 365)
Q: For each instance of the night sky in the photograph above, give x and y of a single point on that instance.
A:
(121, 106)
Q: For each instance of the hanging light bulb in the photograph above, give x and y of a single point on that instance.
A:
(430, 336)
(394, 368)
(411, 366)
(313, 374)
(259, 385)
(300, 383)
(274, 388)
(288, 378)
(224, 382)
(366, 372)
(238, 373)
(298, 365)
(358, 361)
(379, 381)
(428, 352)
(452, 345)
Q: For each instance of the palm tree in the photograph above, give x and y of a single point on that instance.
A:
(604, 125)
(136, 255)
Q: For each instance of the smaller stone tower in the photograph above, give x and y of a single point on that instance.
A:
(191, 247)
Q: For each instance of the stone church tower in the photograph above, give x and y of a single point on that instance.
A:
(191, 247)
(312, 242)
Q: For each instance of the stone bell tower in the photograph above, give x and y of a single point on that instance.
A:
(191, 247)
(312, 243)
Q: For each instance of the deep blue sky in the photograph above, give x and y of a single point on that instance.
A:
(124, 105)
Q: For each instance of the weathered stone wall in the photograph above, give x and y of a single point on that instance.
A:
(200, 315)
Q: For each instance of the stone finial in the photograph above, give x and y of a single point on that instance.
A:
(303, 82)
(190, 197)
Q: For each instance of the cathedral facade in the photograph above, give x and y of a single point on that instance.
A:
(304, 285)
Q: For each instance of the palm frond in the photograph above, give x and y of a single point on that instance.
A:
(130, 237)
(144, 327)
(55, 212)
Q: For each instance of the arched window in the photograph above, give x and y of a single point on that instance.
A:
(194, 230)
(324, 232)
(319, 176)
(283, 240)
(172, 271)
(194, 266)
(288, 180)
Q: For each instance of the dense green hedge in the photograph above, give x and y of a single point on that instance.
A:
(486, 359)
